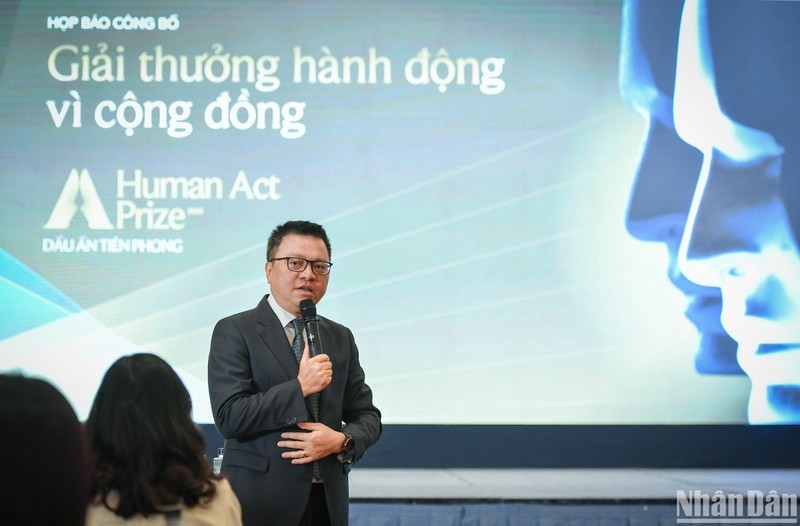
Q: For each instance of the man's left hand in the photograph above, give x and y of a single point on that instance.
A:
(313, 442)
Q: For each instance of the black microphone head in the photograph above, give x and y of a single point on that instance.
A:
(308, 310)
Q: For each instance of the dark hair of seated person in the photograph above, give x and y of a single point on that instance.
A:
(46, 468)
(146, 447)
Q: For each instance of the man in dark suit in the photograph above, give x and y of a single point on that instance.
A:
(286, 468)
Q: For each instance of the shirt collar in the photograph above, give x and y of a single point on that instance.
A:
(284, 316)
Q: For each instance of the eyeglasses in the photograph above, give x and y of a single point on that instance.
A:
(320, 268)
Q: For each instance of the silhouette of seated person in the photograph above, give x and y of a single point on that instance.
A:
(46, 466)
(149, 462)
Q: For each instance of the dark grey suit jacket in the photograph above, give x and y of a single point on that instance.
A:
(255, 396)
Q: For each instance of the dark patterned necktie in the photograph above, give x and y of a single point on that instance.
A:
(298, 346)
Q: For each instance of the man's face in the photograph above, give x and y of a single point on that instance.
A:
(668, 167)
(290, 288)
(738, 236)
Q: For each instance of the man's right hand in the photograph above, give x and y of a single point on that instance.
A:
(315, 373)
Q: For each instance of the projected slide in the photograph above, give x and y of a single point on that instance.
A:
(513, 243)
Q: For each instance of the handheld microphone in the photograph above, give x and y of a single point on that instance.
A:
(309, 313)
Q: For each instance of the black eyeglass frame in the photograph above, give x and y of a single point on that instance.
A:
(288, 258)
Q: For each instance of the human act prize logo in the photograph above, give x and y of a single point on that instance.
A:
(79, 186)
(753, 507)
(139, 207)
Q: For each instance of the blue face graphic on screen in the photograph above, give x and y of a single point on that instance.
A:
(737, 101)
(668, 168)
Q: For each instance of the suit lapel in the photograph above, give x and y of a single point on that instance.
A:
(329, 347)
(271, 331)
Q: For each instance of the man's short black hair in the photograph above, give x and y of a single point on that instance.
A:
(301, 228)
